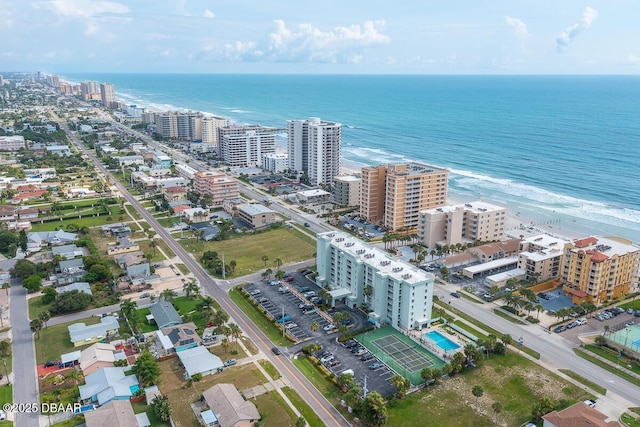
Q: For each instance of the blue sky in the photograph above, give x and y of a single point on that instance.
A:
(330, 36)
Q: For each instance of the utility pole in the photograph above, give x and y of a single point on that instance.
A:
(223, 269)
(282, 319)
(364, 388)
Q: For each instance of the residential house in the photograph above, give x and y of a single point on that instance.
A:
(174, 339)
(37, 239)
(79, 193)
(25, 197)
(97, 356)
(130, 160)
(229, 407)
(123, 245)
(199, 360)
(139, 273)
(578, 415)
(82, 334)
(67, 251)
(494, 251)
(72, 266)
(8, 213)
(28, 214)
(164, 314)
(175, 194)
(116, 413)
(116, 230)
(76, 286)
(107, 384)
(129, 259)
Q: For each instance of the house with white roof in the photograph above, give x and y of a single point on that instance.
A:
(199, 360)
(75, 286)
(81, 334)
(107, 384)
(67, 251)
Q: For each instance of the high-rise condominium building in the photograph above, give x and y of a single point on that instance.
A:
(314, 146)
(600, 269)
(395, 194)
(88, 87)
(398, 293)
(469, 222)
(247, 148)
(210, 126)
(108, 94)
(218, 185)
(540, 257)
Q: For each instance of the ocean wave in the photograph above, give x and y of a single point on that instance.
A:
(238, 111)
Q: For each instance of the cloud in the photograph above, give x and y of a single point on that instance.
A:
(518, 26)
(307, 43)
(83, 8)
(632, 59)
(209, 14)
(564, 39)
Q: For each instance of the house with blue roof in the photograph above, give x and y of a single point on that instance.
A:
(164, 314)
(107, 384)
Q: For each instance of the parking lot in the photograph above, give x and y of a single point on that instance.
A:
(300, 314)
(596, 326)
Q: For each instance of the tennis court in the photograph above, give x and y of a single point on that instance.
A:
(399, 352)
(628, 337)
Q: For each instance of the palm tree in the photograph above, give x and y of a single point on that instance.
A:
(497, 408)
(265, 258)
(433, 253)
(477, 391)
(153, 244)
(268, 272)
(401, 384)
(538, 308)
(470, 351)
(235, 331)
(277, 262)
(168, 294)
(36, 326)
(44, 316)
(191, 288)
(225, 344)
(314, 326)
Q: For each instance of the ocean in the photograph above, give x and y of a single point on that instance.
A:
(561, 151)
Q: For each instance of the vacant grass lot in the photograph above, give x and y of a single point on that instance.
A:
(36, 306)
(55, 341)
(173, 385)
(512, 380)
(309, 414)
(288, 245)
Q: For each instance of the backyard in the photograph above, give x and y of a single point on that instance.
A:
(54, 340)
(247, 251)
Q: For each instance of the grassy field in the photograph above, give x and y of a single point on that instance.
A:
(288, 245)
(6, 394)
(632, 304)
(85, 221)
(271, 370)
(132, 212)
(593, 386)
(613, 369)
(173, 385)
(36, 306)
(309, 414)
(512, 380)
(260, 320)
(55, 341)
(273, 410)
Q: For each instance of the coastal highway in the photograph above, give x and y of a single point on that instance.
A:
(323, 408)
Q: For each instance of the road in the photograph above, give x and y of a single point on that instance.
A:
(25, 382)
(323, 408)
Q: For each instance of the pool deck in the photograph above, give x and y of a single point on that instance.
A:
(437, 350)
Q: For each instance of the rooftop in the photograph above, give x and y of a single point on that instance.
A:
(255, 209)
(601, 248)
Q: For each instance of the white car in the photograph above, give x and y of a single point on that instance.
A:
(590, 403)
(329, 327)
(283, 289)
(581, 321)
(291, 325)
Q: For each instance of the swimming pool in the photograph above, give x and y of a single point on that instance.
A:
(441, 341)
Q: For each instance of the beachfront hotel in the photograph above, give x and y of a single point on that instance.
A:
(399, 294)
(394, 195)
(314, 147)
(464, 223)
(540, 257)
(599, 269)
(218, 185)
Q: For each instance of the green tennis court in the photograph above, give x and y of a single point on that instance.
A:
(399, 352)
(628, 337)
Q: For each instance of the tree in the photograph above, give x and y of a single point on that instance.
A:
(5, 348)
(153, 244)
(147, 369)
(373, 410)
(168, 294)
(497, 408)
(36, 327)
(220, 318)
(477, 391)
(300, 422)
(23, 269)
(265, 258)
(225, 344)
(32, 283)
(542, 407)
(506, 340)
(161, 408)
(277, 262)
(401, 384)
(49, 295)
(44, 316)
(191, 288)
(235, 331)
(538, 308)
(71, 301)
(22, 240)
(314, 326)
(268, 272)
(129, 311)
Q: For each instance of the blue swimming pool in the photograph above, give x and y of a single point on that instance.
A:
(441, 341)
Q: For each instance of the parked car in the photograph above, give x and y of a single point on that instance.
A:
(145, 295)
(285, 318)
(327, 358)
(581, 321)
(283, 289)
(276, 351)
(291, 325)
(590, 402)
(350, 343)
(333, 363)
(255, 292)
(560, 328)
(637, 313)
(329, 327)
(50, 363)
(630, 311)
(309, 294)
(455, 294)
(306, 271)
(360, 351)
(571, 325)
(375, 365)
(230, 362)
(315, 300)
(288, 278)
(366, 357)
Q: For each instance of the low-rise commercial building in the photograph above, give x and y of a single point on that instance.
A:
(256, 215)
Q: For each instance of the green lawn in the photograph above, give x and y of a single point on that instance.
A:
(247, 250)
(140, 407)
(85, 221)
(593, 386)
(309, 414)
(273, 410)
(185, 305)
(78, 420)
(614, 370)
(6, 394)
(506, 316)
(36, 306)
(183, 269)
(54, 340)
(168, 221)
(260, 320)
(132, 212)
(630, 421)
(271, 370)
(632, 304)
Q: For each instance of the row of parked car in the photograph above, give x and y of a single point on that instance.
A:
(613, 312)
(571, 325)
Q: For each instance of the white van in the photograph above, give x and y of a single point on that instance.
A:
(348, 372)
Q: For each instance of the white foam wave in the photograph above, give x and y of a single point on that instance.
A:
(239, 111)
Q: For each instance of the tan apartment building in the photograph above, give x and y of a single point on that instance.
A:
(465, 223)
(256, 215)
(346, 190)
(217, 185)
(540, 257)
(395, 194)
(600, 269)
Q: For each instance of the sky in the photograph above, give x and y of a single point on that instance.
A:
(328, 36)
